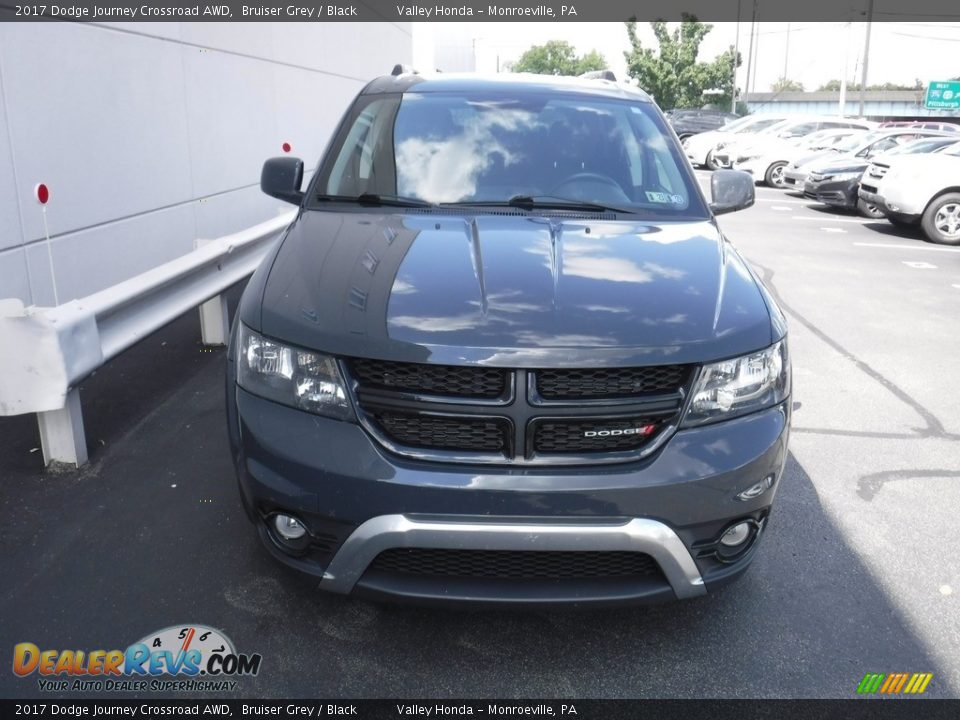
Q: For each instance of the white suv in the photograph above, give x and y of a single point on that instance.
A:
(922, 189)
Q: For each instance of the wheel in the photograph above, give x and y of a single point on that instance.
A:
(941, 219)
(774, 175)
(869, 209)
(711, 163)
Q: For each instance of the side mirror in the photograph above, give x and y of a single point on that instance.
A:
(731, 190)
(281, 178)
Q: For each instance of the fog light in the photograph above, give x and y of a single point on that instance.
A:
(737, 535)
(757, 490)
(289, 528)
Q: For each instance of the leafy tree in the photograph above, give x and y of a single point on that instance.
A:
(558, 57)
(672, 73)
(834, 86)
(785, 84)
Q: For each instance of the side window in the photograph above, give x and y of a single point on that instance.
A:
(365, 155)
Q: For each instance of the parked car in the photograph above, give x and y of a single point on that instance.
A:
(496, 352)
(778, 137)
(690, 122)
(869, 204)
(767, 157)
(942, 126)
(921, 189)
(858, 149)
(699, 147)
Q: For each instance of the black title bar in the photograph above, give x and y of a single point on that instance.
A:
(142, 709)
(479, 11)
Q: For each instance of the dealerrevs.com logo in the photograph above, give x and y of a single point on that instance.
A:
(187, 658)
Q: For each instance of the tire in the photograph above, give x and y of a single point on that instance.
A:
(869, 210)
(774, 175)
(711, 163)
(941, 219)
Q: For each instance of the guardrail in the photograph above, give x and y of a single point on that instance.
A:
(46, 352)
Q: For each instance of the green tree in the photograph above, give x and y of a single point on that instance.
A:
(834, 86)
(672, 73)
(558, 57)
(785, 84)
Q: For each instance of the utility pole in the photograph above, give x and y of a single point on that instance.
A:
(843, 78)
(866, 55)
(786, 53)
(753, 30)
(736, 56)
(756, 52)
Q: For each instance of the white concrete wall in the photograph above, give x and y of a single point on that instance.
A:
(150, 135)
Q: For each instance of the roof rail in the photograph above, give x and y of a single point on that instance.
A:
(399, 69)
(599, 75)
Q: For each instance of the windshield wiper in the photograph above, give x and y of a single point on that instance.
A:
(376, 199)
(549, 202)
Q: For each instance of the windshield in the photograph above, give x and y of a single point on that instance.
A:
(760, 126)
(920, 146)
(857, 142)
(737, 125)
(492, 148)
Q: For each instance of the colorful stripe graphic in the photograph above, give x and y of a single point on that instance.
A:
(894, 683)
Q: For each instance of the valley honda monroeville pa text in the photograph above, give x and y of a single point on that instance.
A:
(504, 354)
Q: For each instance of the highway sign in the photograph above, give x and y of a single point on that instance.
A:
(943, 95)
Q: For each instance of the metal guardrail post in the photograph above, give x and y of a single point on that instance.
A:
(61, 432)
(214, 314)
(46, 352)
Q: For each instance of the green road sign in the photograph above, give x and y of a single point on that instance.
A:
(943, 95)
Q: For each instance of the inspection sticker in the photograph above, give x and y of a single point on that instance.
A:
(660, 197)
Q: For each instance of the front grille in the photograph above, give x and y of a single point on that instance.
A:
(451, 433)
(592, 435)
(586, 384)
(434, 379)
(516, 564)
(495, 415)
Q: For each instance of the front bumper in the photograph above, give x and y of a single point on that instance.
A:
(358, 500)
(838, 193)
(756, 166)
(723, 158)
(794, 178)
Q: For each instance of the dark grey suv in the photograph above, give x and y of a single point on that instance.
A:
(504, 354)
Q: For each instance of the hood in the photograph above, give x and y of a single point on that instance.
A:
(839, 164)
(947, 165)
(511, 289)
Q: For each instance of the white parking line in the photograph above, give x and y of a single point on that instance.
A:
(919, 265)
(823, 219)
(782, 201)
(956, 285)
(920, 246)
(782, 208)
(833, 230)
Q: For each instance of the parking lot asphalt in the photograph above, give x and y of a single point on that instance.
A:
(858, 572)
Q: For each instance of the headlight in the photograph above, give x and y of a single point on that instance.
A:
(299, 378)
(844, 176)
(739, 386)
